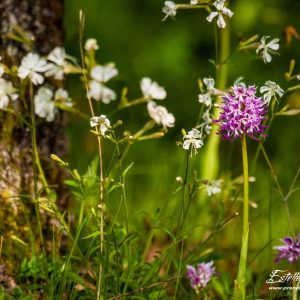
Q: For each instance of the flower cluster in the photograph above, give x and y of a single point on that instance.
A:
(34, 69)
(290, 251)
(100, 75)
(153, 91)
(221, 10)
(200, 275)
(242, 114)
(45, 102)
(170, 10)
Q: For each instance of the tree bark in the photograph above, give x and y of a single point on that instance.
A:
(42, 20)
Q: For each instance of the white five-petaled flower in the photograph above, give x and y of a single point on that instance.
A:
(101, 121)
(100, 75)
(206, 97)
(91, 45)
(169, 9)
(221, 10)
(44, 105)
(192, 140)
(32, 66)
(265, 47)
(213, 187)
(151, 89)
(269, 90)
(160, 115)
(57, 58)
(7, 92)
(62, 96)
(194, 2)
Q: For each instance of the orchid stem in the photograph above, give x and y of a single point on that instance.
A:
(240, 287)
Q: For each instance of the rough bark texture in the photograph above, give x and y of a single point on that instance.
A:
(41, 19)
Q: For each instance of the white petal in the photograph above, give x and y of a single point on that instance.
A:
(221, 22)
(186, 144)
(211, 16)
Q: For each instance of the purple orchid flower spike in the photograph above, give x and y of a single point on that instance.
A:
(242, 114)
(200, 275)
(290, 251)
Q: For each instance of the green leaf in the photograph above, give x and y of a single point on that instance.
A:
(96, 233)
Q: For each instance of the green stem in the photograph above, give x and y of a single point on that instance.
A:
(240, 289)
(210, 161)
(35, 167)
(99, 141)
(246, 188)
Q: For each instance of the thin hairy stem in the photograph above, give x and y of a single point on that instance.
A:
(101, 204)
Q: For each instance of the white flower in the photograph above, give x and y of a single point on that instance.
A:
(91, 45)
(193, 140)
(160, 115)
(206, 125)
(221, 10)
(44, 106)
(265, 47)
(62, 95)
(104, 73)
(99, 91)
(31, 66)
(101, 121)
(57, 57)
(206, 97)
(7, 92)
(1, 71)
(269, 90)
(194, 2)
(214, 187)
(169, 9)
(151, 89)
(210, 84)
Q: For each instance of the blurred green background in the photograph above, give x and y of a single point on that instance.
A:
(175, 54)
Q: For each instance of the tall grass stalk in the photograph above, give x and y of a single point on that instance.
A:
(101, 200)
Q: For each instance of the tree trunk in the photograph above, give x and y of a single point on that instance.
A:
(43, 21)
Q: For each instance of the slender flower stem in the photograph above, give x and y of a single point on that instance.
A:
(101, 204)
(284, 198)
(240, 290)
(246, 187)
(36, 165)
